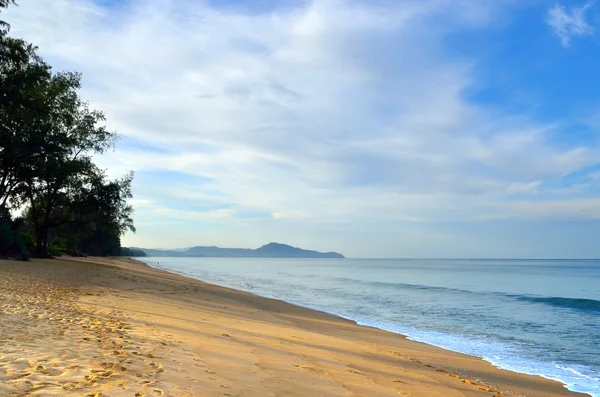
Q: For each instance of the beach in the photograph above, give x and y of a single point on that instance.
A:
(105, 327)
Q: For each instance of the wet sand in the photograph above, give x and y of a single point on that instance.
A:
(102, 327)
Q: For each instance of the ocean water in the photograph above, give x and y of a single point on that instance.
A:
(540, 317)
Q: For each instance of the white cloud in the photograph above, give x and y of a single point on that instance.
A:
(292, 214)
(148, 207)
(524, 187)
(573, 209)
(568, 24)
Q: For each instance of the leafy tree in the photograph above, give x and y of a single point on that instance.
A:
(59, 141)
(48, 137)
(12, 243)
(23, 76)
(95, 217)
(20, 70)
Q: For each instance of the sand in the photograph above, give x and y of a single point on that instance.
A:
(100, 327)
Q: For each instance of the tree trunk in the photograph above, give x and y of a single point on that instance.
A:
(45, 240)
(41, 238)
(38, 241)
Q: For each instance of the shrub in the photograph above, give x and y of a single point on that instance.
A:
(131, 252)
(28, 240)
(12, 244)
(55, 251)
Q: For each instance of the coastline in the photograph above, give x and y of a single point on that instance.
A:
(500, 351)
(204, 339)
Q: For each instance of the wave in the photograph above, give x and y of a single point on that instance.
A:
(384, 284)
(588, 305)
(569, 303)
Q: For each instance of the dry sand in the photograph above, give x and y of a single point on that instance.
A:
(99, 327)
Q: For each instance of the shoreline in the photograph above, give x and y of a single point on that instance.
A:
(224, 341)
(360, 323)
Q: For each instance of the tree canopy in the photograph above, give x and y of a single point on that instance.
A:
(48, 138)
(4, 4)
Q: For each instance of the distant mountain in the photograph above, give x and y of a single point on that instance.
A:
(276, 250)
(271, 250)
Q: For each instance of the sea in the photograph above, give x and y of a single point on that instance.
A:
(538, 317)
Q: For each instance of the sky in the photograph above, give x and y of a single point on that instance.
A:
(401, 128)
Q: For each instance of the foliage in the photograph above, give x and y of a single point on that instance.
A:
(60, 142)
(132, 252)
(4, 4)
(12, 244)
(21, 76)
(48, 137)
(28, 241)
(55, 251)
(101, 243)
(95, 216)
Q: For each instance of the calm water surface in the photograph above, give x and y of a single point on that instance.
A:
(539, 317)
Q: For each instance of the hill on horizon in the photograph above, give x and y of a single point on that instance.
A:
(271, 250)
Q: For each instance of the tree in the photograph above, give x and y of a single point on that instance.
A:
(12, 242)
(4, 4)
(20, 70)
(131, 252)
(23, 76)
(48, 137)
(96, 216)
(60, 142)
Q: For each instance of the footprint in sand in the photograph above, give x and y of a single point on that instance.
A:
(81, 349)
(314, 369)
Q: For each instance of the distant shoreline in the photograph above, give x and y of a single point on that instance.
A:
(271, 250)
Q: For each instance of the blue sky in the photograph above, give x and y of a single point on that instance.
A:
(430, 128)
